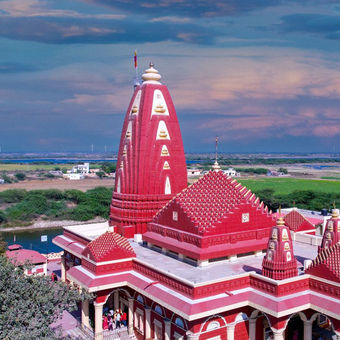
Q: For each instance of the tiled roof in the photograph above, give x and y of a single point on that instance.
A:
(22, 256)
(297, 222)
(212, 197)
(107, 247)
(327, 264)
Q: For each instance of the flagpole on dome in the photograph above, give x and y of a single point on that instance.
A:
(136, 82)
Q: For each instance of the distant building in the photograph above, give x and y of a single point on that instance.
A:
(2, 181)
(194, 172)
(74, 176)
(83, 169)
(19, 257)
(274, 173)
(231, 172)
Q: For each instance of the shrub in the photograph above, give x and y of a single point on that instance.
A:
(20, 176)
(3, 217)
(12, 195)
(6, 178)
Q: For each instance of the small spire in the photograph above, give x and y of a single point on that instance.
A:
(216, 166)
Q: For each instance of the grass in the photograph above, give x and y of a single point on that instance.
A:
(285, 186)
(30, 167)
(331, 177)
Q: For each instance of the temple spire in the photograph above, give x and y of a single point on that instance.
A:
(216, 166)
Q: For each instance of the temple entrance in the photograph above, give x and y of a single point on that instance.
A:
(294, 329)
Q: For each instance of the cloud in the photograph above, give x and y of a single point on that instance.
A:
(65, 31)
(38, 8)
(187, 8)
(172, 19)
(319, 24)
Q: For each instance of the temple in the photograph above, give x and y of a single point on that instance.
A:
(208, 261)
(151, 166)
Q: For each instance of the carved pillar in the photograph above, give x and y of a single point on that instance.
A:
(307, 329)
(278, 334)
(116, 299)
(85, 314)
(130, 317)
(147, 322)
(230, 331)
(63, 269)
(98, 321)
(167, 331)
(252, 329)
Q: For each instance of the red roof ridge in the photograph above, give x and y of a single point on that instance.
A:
(108, 246)
(327, 259)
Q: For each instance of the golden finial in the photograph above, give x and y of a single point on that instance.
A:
(280, 220)
(335, 212)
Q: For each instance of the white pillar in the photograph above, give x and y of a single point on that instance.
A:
(230, 331)
(337, 335)
(307, 329)
(278, 334)
(192, 336)
(98, 321)
(116, 300)
(167, 331)
(147, 322)
(130, 317)
(85, 313)
(252, 329)
(63, 269)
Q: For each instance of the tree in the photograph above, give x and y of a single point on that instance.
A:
(20, 176)
(100, 174)
(30, 304)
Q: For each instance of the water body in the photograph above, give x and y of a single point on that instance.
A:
(72, 160)
(31, 239)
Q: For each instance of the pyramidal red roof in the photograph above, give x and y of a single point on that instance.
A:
(327, 264)
(210, 199)
(297, 222)
(214, 217)
(108, 247)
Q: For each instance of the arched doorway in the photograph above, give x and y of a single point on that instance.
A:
(322, 327)
(294, 329)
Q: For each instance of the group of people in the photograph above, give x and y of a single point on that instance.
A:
(114, 319)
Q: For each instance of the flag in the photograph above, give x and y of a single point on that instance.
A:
(135, 59)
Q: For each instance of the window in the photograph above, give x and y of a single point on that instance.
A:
(179, 322)
(158, 310)
(140, 299)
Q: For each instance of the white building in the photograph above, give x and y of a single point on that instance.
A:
(231, 172)
(194, 172)
(83, 169)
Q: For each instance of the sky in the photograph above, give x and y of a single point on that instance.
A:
(262, 75)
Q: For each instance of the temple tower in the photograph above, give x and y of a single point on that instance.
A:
(279, 262)
(331, 235)
(151, 166)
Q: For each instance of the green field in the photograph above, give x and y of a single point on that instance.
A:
(35, 167)
(285, 186)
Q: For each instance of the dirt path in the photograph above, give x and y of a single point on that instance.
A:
(61, 184)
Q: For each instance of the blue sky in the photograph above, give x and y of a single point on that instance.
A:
(263, 75)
